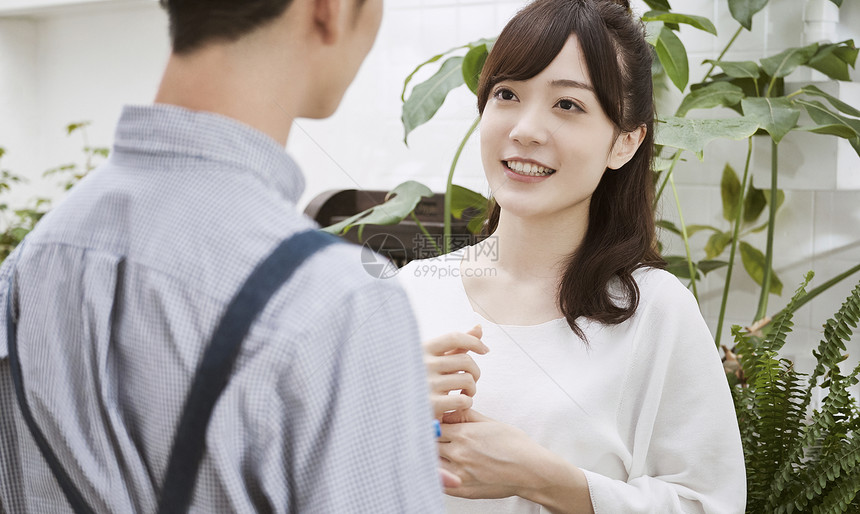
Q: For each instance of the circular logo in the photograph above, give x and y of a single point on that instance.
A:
(379, 253)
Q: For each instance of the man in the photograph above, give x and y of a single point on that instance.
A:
(119, 290)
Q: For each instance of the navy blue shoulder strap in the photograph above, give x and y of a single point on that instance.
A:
(210, 379)
(73, 495)
(214, 369)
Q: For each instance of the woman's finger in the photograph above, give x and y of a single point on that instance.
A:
(452, 364)
(450, 402)
(442, 384)
(455, 341)
(449, 479)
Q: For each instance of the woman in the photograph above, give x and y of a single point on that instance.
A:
(602, 389)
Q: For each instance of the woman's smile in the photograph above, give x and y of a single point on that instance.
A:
(526, 170)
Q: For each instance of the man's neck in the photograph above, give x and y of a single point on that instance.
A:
(223, 79)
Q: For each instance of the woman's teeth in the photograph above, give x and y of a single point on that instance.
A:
(525, 168)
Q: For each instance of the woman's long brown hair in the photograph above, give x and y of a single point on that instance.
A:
(620, 237)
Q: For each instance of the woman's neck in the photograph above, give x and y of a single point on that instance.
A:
(527, 258)
(536, 248)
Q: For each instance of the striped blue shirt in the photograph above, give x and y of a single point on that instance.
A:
(119, 290)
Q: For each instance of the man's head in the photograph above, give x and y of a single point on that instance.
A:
(309, 50)
(194, 23)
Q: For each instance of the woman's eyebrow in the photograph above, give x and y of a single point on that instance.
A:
(571, 83)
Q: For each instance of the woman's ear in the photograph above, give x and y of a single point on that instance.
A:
(327, 19)
(625, 147)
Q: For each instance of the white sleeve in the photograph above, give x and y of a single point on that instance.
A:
(683, 435)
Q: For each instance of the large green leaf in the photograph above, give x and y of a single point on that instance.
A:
(730, 191)
(835, 102)
(848, 52)
(425, 63)
(714, 94)
(775, 115)
(488, 42)
(400, 204)
(673, 57)
(473, 63)
(829, 63)
(698, 22)
(754, 263)
(842, 131)
(737, 69)
(660, 5)
(693, 135)
(428, 96)
(463, 198)
(823, 116)
(743, 10)
(787, 61)
(652, 34)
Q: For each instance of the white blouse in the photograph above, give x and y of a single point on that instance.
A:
(644, 409)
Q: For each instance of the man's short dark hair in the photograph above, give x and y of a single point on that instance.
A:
(194, 23)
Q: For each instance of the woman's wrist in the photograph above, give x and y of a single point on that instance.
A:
(558, 486)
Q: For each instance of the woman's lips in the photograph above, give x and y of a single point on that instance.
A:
(522, 176)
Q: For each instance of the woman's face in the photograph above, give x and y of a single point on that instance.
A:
(546, 142)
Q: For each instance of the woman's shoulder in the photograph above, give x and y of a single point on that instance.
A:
(661, 291)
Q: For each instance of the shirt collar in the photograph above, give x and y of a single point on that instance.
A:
(162, 136)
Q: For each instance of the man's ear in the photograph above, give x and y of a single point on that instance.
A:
(625, 147)
(327, 19)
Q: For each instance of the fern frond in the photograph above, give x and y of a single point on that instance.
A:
(823, 470)
(837, 331)
(835, 471)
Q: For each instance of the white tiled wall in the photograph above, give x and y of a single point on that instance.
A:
(83, 65)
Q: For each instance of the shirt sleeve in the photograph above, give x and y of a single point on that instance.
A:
(684, 438)
(361, 433)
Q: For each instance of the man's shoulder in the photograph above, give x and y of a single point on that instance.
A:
(350, 269)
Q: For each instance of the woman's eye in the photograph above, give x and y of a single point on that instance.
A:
(505, 94)
(568, 105)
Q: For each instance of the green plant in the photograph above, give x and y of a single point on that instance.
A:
(755, 90)
(18, 222)
(799, 459)
(422, 104)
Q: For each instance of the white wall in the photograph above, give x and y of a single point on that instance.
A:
(83, 64)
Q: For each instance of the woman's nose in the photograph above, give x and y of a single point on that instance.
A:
(529, 129)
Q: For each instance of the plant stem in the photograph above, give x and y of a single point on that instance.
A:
(739, 214)
(446, 235)
(426, 233)
(666, 180)
(824, 287)
(770, 87)
(692, 268)
(726, 49)
(771, 225)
